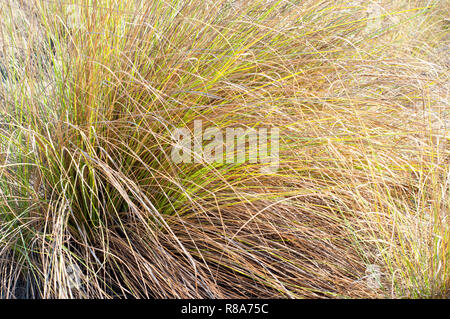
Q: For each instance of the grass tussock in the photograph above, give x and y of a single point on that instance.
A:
(92, 92)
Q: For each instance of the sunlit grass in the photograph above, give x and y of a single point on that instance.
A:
(93, 90)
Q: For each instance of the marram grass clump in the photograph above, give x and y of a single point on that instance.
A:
(92, 204)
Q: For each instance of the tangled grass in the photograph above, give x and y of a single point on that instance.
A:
(92, 91)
